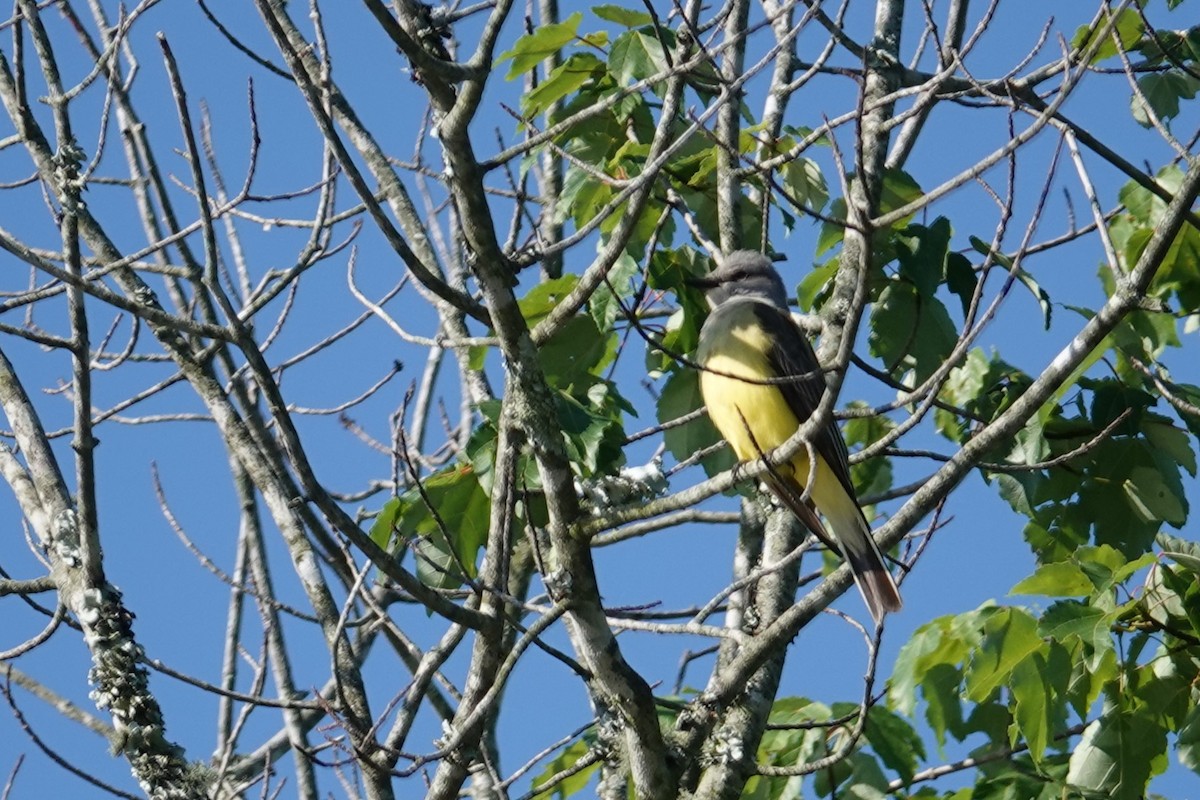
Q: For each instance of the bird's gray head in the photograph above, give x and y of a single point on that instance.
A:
(744, 273)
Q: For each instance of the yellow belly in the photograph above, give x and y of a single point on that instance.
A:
(754, 418)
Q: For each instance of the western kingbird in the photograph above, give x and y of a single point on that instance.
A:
(761, 381)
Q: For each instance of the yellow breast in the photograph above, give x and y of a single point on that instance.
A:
(754, 418)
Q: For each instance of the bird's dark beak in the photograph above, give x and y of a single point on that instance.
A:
(704, 283)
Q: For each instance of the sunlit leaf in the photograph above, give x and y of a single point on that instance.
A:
(635, 56)
(572, 784)
(603, 305)
(384, 524)
(1010, 636)
(444, 522)
(562, 80)
(805, 183)
(1040, 710)
(1128, 27)
(534, 48)
(621, 15)
(1183, 552)
(1072, 621)
(1058, 579)
(898, 190)
(816, 284)
(544, 297)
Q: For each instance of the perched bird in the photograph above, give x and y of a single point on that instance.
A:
(748, 343)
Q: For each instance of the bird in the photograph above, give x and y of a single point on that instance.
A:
(760, 381)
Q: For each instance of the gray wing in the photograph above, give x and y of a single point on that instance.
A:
(792, 355)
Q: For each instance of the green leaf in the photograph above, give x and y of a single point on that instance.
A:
(385, 521)
(635, 56)
(1128, 26)
(1181, 551)
(534, 48)
(1020, 778)
(1145, 335)
(1162, 91)
(1057, 579)
(1174, 442)
(481, 454)
(1118, 754)
(1010, 635)
(603, 305)
(451, 504)
(834, 229)
(1117, 505)
(434, 555)
(1029, 445)
(1039, 708)
(1154, 495)
(1187, 560)
(856, 778)
(873, 476)
(477, 357)
(1180, 270)
(934, 648)
(576, 353)
(943, 702)
(1171, 45)
(898, 190)
(574, 784)
(1187, 746)
(593, 436)
(1144, 206)
(805, 183)
(1073, 623)
(1111, 399)
(788, 747)
(814, 286)
(971, 385)
(1042, 296)
(1191, 394)
(626, 17)
(680, 396)
(915, 658)
(992, 719)
(961, 279)
(543, 298)
(894, 740)
(582, 198)
(562, 80)
(1018, 491)
(1163, 687)
(922, 254)
(910, 331)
